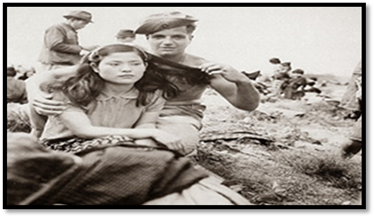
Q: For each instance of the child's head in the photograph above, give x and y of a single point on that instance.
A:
(123, 64)
(118, 63)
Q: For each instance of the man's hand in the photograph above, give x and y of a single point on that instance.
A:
(44, 105)
(232, 85)
(226, 71)
(169, 140)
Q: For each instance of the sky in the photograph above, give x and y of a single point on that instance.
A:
(323, 40)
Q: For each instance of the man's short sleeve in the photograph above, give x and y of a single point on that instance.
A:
(157, 102)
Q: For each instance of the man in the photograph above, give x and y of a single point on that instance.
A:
(125, 36)
(16, 89)
(168, 35)
(60, 47)
(349, 100)
(353, 144)
(294, 87)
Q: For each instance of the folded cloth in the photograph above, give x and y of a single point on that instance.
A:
(115, 175)
(32, 170)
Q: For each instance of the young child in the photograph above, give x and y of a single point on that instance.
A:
(111, 95)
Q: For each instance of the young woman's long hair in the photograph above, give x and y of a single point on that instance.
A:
(87, 85)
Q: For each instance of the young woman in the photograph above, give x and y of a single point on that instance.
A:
(112, 95)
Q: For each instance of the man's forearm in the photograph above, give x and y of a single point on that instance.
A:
(247, 97)
(52, 76)
(67, 48)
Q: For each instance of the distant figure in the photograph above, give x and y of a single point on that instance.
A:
(60, 47)
(26, 73)
(294, 87)
(354, 101)
(125, 36)
(349, 101)
(310, 85)
(16, 89)
(279, 77)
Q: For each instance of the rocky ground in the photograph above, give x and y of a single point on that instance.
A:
(287, 152)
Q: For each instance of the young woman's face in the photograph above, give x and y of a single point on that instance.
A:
(122, 68)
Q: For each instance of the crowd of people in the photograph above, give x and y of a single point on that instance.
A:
(285, 83)
(123, 120)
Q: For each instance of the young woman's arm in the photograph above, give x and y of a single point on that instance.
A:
(79, 124)
(148, 121)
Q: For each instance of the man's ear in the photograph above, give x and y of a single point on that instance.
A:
(94, 67)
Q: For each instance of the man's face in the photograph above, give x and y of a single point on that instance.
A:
(79, 24)
(170, 42)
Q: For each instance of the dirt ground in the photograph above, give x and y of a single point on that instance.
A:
(300, 136)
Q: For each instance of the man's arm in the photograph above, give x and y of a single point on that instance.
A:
(42, 101)
(233, 86)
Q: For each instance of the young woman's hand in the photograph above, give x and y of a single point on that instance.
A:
(169, 140)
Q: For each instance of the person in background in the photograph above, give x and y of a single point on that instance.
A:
(125, 36)
(354, 143)
(280, 75)
(26, 73)
(349, 100)
(16, 89)
(294, 87)
(60, 46)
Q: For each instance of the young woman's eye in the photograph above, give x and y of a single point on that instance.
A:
(113, 64)
(135, 64)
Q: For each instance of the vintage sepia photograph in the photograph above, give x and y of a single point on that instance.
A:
(182, 106)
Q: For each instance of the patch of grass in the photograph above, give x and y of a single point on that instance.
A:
(17, 121)
(284, 177)
(340, 173)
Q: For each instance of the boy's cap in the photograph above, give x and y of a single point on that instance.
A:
(125, 33)
(157, 22)
(275, 61)
(83, 15)
(298, 71)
